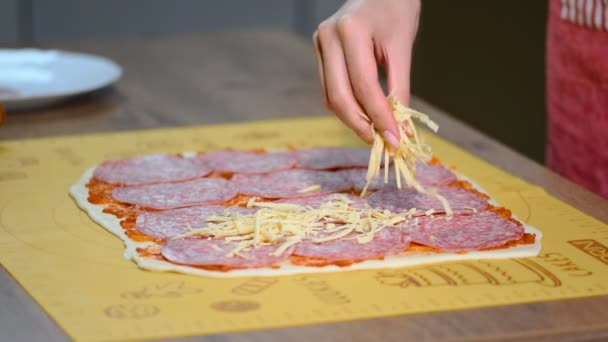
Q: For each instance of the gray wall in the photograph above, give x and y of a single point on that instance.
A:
(9, 21)
(29, 21)
(74, 19)
(311, 12)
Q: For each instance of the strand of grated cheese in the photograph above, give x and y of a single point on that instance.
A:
(411, 150)
(310, 189)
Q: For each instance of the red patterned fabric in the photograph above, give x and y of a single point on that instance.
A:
(577, 92)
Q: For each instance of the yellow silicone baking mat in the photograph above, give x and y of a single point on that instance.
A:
(74, 269)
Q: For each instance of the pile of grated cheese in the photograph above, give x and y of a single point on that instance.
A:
(284, 224)
(411, 149)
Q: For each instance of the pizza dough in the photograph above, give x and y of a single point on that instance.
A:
(165, 206)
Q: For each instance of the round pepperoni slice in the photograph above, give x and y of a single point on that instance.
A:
(427, 175)
(388, 241)
(479, 230)
(291, 183)
(357, 177)
(250, 162)
(177, 195)
(151, 169)
(170, 223)
(397, 201)
(433, 175)
(333, 158)
(212, 252)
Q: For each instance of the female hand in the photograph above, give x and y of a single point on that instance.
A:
(349, 45)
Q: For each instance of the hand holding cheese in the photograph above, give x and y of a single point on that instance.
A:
(349, 45)
(411, 150)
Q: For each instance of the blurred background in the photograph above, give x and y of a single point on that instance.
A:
(482, 61)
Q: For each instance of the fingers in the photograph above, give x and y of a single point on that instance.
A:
(339, 96)
(318, 56)
(398, 62)
(363, 75)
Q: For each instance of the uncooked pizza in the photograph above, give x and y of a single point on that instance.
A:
(242, 213)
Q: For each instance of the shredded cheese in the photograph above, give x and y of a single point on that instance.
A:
(310, 189)
(290, 242)
(337, 236)
(284, 225)
(411, 149)
(215, 247)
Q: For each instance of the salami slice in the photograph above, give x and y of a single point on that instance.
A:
(290, 183)
(170, 223)
(177, 195)
(316, 201)
(433, 175)
(212, 252)
(484, 229)
(396, 200)
(249, 162)
(333, 158)
(151, 169)
(388, 241)
(427, 175)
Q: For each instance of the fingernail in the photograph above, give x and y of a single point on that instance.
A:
(391, 138)
(408, 131)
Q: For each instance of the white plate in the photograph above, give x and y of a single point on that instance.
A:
(33, 78)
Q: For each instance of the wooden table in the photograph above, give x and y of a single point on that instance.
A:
(239, 76)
